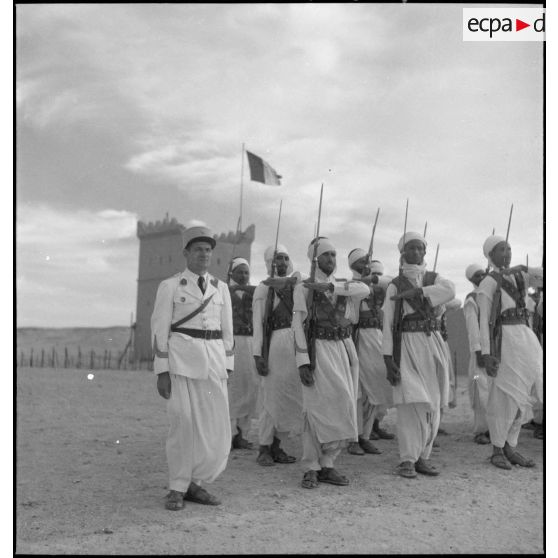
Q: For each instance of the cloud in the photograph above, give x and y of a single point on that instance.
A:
(76, 267)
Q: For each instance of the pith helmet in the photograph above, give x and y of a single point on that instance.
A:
(200, 234)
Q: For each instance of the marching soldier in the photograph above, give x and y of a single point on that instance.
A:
(511, 352)
(478, 380)
(329, 393)
(375, 392)
(281, 409)
(192, 337)
(244, 383)
(417, 366)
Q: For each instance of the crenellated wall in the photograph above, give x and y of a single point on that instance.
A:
(160, 257)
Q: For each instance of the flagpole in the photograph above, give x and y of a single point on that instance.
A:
(241, 186)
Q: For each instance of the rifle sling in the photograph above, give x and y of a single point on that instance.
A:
(514, 292)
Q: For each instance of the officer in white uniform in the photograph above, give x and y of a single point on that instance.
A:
(192, 335)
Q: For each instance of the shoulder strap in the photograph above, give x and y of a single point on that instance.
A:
(194, 313)
(514, 292)
(403, 284)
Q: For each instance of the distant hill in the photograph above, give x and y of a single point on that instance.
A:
(88, 339)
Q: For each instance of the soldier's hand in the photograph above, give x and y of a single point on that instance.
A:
(480, 360)
(319, 287)
(164, 385)
(306, 375)
(410, 293)
(261, 365)
(491, 364)
(393, 373)
(514, 269)
(229, 371)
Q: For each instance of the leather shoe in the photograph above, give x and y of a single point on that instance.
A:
(174, 501)
(199, 495)
(384, 434)
(355, 449)
(368, 446)
(406, 469)
(424, 469)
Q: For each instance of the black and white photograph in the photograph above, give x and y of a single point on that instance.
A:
(280, 278)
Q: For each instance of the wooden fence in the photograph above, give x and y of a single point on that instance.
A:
(89, 360)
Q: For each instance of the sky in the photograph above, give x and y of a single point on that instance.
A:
(129, 112)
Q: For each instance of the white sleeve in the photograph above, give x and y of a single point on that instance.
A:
(227, 325)
(470, 311)
(484, 300)
(388, 309)
(441, 292)
(258, 310)
(300, 313)
(160, 326)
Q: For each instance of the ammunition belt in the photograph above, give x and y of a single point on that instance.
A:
(333, 333)
(243, 330)
(280, 324)
(207, 334)
(366, 323)
(413, 325)
(515, 316)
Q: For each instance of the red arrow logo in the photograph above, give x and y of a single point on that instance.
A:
(519, 25)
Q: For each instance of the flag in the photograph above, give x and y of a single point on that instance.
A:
(260, 171)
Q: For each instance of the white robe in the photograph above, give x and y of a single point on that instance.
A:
(519, 374)
(329, 406)
(281, 388)
(479, 382)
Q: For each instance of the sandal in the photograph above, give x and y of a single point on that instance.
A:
(174, 501)
(406, 469)
(331, 476)
(499, 460)
(482, 438)
(199, 495)
(515, 458)
(310, 479)
(368, 447)
(422, 467)
(279, 456)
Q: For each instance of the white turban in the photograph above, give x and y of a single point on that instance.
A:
(239, 261)
(472, 269)
(270, 250)
(407, 237)
(490, 243)
(355, 255)
(324, 245)
(268, 257)
(376, 267)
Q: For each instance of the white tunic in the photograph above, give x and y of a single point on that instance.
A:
(424, 362)
(281, 388)
(520, 367)
(330, 404)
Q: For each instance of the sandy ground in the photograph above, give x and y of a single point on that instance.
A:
(91, 479)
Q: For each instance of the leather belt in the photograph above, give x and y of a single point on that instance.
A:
(207, 334)
(367, 323)
(425, 326)
(333, 333)
(280, 324)
(243, 330)
(515, 316)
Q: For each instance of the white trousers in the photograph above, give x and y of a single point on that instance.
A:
(417, 427)
(316, 455)
(504, 418)
(366, 414)
(199, 438)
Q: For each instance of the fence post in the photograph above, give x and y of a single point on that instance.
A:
(66, 360)
(79, 357)
(52, 358)
(92, 363)
(108, 361)
(31, 358)
(42, 358)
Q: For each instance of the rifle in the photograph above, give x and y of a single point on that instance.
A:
(371, 247)
(495, 321)
(397, 327)
(268, 313)
(436, 257)
(310, 325)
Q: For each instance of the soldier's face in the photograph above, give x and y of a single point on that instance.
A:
(241, 274)
(477, 277)
(282, 264)
(198, 256)
(327, 262)
(414, 252)
(501, 254)
(360, 266)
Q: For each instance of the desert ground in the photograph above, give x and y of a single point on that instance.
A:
(91, 479)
